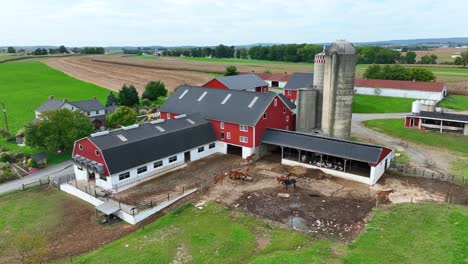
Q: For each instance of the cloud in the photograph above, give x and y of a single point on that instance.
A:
(210, 22)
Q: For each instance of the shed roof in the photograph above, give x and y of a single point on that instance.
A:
(88, 105)
(231, 106)
(444, 116)
(49, 105)
(325, 145)
(400, 85)
(124, 149)
(242, 81)
(300, 80)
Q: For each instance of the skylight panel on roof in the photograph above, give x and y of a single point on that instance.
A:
(160, 129)
(226, 99)
(190, 121)
(180, 116)
(253, 102)
(130, 127)
(182, 95)
(100, 134)
(157, 121)
(122, 138)
(201, 97)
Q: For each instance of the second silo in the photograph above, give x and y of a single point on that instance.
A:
(306, 110)
(338, 89)
(319, 66)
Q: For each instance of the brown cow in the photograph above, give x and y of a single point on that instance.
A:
(238, 175)
(250, 158)
(219, 177)
(281, 178)
(383, 194)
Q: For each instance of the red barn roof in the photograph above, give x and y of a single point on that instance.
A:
(401, 85)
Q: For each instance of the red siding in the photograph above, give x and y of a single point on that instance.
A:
(275, 119)
(215, 84)
(89, 152)
(292, 96)
(234, 129)
(385, 152)
(408, 121)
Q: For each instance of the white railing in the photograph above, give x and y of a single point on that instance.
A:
(148, 175)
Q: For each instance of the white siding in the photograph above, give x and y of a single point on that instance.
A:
(80, 175)
(195, 155)
(436, 96)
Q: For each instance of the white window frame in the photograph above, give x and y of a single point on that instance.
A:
(143, 169)
(244, 128)
(97, 153)
(124, 176)
(289, 92)
(221, 125)
(287, 118)
(244, 139)
(201, 149)
(159, 164)
(173, 159)
(168, 116)
(80, 146)
(275, 102)
(222, 135)
(228, 135)
(212, 146)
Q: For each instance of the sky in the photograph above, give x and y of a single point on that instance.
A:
(235, 22)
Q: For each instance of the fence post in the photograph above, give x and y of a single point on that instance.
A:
(183, 189)
(424, 171)
(151, 203)
(23, 186)
(168, 196)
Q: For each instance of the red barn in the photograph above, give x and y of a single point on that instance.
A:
(241, 82)
(438, 121)
(239, 118)
(299, 80)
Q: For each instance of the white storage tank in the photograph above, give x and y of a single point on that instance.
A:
(416, 107)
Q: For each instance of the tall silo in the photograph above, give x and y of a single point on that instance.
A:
(338, 89)
(319, 66)
(306, 110)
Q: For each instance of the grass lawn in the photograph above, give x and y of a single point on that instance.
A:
(380, 104)
(403, 158)
(394, 127)
(211, 235)
(227, 60)
(143, 57)
(459, 168)
(413, 233)
(456, 102)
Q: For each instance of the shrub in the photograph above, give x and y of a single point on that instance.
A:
(145, 102)
(5, 157)
(7, 175)
(142, 112)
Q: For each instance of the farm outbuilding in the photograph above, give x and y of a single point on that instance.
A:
(435, 91)
(241, 82)
(355, 161)
(438, 121)
(298, 80)
(275, 80)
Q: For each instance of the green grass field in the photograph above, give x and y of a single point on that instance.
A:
(380, 104)
(456, 102)
(143, 57)
(227, 60)
(395, 127)
(413, 233)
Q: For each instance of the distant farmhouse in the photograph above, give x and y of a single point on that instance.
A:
(298, 80)
(95, 111)
(407, 89)
(455, 55)
(241, 82)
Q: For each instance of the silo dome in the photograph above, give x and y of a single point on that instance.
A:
(341, 47)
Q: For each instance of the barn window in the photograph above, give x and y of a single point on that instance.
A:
(244, 128)
(264, 116)
(142, 169)
(97, 112)
(244, 139)
(222, 135)
(228, 135)
(284, 110)
(80, 147)
(221, 125)
(158, 164)
(289, 92)
(287, 118)
(172, 159)
(201, 149)
(124, 176)
(276, 102)
(168, 116)
(97, 152)
(287, 127)
(80, 168)
(89, 113)
(211, 146)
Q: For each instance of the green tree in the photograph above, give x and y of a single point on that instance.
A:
(62, 49)
(410, 57)
(421, 75)
(11, 50)
(154, 90)
(373, 72)
(231, 70)
(433, 58)
(123, 116)
(458, 61)
(111, 99)
(428, 59)
(128, 96)
(464, 58)
(58, 130)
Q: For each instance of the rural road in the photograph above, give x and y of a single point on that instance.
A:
(61, 169)
(421, 156)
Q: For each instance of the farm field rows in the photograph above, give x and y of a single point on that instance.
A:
(213, 233)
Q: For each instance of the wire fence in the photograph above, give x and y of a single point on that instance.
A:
(39, 182)
(407, 170)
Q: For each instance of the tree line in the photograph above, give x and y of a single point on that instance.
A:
(398, 72)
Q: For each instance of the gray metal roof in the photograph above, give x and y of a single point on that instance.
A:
(50, 105)
(325, 145)
(444, 116)
(300, 80)
(288, 102)
(147, 143)
(209, 103)
(88, 105)
(242, 81)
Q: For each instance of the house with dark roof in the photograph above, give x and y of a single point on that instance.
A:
(435, 91)
(298, 80)
(350, 160)
(438, 121)
(94, 109)
(239, 118)
(240, 82)
(119, 159)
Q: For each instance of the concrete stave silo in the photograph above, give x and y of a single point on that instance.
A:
(319, 67)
